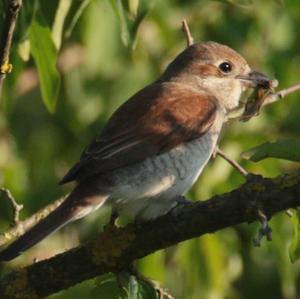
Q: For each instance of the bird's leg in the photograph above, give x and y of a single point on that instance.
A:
(264, 231)
(181, 202)
(232, 162)
(178, 203)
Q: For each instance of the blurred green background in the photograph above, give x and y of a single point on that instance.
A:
(107, 50)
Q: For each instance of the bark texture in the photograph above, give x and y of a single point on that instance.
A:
(115, 248)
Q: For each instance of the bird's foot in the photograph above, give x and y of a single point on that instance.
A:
(181, 202)
(264, 231)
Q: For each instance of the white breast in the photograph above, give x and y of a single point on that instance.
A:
(147, 190)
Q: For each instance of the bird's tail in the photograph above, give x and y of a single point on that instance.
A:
(75, 206)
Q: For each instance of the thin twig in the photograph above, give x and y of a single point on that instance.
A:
(76, 17)
(16, 208)
(187, 32)
(239, 113)
(271, 98)
(233, 163)
(280, 94)
(23, 226)
(6, 38)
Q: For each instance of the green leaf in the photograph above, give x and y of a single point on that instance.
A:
(83, 5)
(24, 49)
(288, 149)
(133, 288)
(133, 6)
(139, 289)
(108, 289)
(119, 11)
(44, 53)
(294, 250)
(25, 19)
(58, 24)
(130, 14)
(147, 291)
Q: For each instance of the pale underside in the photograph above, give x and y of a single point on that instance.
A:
(149, 189)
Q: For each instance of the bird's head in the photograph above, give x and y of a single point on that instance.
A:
(216, 68)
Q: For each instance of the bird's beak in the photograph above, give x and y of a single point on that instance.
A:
(256, 79)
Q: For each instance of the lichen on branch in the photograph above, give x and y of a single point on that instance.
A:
(116, 248)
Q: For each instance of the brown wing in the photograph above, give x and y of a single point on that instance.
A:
(156, 119)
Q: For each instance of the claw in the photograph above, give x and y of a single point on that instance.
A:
(181, 202)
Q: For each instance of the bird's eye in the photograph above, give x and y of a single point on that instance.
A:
(225, 67)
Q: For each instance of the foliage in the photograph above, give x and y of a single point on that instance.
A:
(105, 50)
(282, 149)
(295, 246)
(44, 53)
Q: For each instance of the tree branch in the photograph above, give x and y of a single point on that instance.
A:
(116, 248)
(6, 38)
(23, 226)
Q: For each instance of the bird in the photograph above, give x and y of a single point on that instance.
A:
(155, 145)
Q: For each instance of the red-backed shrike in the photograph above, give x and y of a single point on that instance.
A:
(156, 144)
